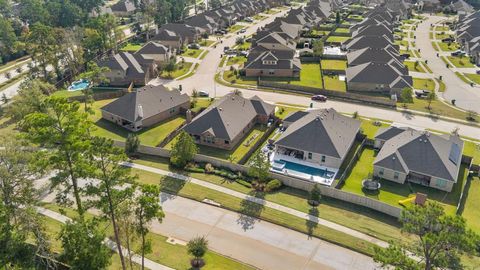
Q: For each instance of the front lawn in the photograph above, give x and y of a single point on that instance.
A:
(259, 17)
(342, 30)
(284, 111)
(231, 78)
(337, 39)
(334, 64)
(461, 62)
(234, 28)
(245, 46)
(333, 83)
(235, 154)
(472, 149)
(411, 67)
(194, 53)
(474, 77)
(448, 46)
(182, 69)
(236, 60)
(424, 84)
(442, 28)
(370, 129)
(206, 42)
(151, 136)
(201, 103)
(391, 192)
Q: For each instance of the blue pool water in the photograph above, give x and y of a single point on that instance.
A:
(291, 166)
(79, 85)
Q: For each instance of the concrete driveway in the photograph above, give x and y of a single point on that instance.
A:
(466, 97)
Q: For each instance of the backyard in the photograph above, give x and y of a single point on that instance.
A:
(334, 64)
(472, 201)
(391, 192)
(337, 39)
(235, 154)
(131, 47)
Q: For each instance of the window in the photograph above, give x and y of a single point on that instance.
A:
(309, 155)
(227, 142)
(441, 183)
(395, 175)
(380, 171)
(323, 158)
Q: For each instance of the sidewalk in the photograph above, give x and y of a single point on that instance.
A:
(111, 244)
(275, 206)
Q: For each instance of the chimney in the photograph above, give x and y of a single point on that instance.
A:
(188, 115)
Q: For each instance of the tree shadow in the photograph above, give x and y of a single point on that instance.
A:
(250, 210)
(312, 221)
(170, 187)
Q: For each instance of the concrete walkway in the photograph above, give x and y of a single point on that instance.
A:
(287, 210)
(466, 97)
(111, 244)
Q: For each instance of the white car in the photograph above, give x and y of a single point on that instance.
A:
(203, 94)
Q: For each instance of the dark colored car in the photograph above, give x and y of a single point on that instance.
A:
(319, 98)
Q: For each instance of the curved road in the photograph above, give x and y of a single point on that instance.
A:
(467, 97)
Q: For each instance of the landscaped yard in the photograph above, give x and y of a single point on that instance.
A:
(334, 83)
(368, 128)
(334, 64)
(442, 28)
(201, 103)
(423, 84)
(342, 30)
(411, 66)
(337, 39)
(236, 60)
(131, 47)
(461, 62)
(471, 212)
(194, 53)
(474, 77)
(231, 78)
(182, 69)
(244, 46)
(149, 136)
(234, 28)
(448, 47)
(259, 17)
(391, 192)
(235, 154)
(437, 108)
(95, 90)
(310, 76)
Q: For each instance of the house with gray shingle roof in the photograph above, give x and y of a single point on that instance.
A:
(123, 8)
(317, 138)
(126, 68)
(361, 42)
(263, 62)
(155, 51)
(366, 55)
(226, 122)
(420, 157)
(145, 107)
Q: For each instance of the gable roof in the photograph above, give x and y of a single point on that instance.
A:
(378, 55)
(284, 59)
(134, 65)
(379, 73)
(324, 132)
(228, 116)
(422, 152)
(153, 47)
(367, 41)
(123, 6)
(149, 101)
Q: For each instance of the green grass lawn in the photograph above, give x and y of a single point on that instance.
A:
(442, 36)
(194, 53)
(391, 192)
(442, 86)
(424, 84)
(337, 39)
(442, 28)
(259, 17)
(470, 211)
(333, 83)
(206, 42)
(461, 62)
(237, 153)
(460, 75)
(272, 11)
(244, 46)
(472, 149)
(448, 47)
(236, 60)
(411, 66)
(342, 30)
(474, 77)
(234, 28)
(131, 47)
(310, 75)
(369, 129)
(67, 94)
(349, 215)
(182, 69)
(149, 136)
(284, 111)
(437, 108)
(201, 103)
(403, 43)
(334, 64)
(231, 78)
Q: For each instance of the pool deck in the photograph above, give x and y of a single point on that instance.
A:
(275, 157)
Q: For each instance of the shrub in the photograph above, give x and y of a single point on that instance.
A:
(195, 170)
(244, 183)
(209, 168)
(273, 185)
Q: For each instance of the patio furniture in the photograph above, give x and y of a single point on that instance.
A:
(370, 184)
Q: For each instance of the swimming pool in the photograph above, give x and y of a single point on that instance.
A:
(306, 172)
(79, 85)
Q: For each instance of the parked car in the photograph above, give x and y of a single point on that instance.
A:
(203, 94)
(421, 93)
(405, 55)
(226, 48)
(230, 52)
(319, 98)
(458, 53)
(248, 19)
(243, 53)
(243, 30)
(449, 39)
(194, 46)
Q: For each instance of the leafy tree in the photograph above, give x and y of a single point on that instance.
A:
(163, 14)
(40, 42)
(131, 145)
(83, 247)
(259, 167)
(338, 18)
(314, 195)
(197, 247)
(65, 131)
(126, 223)
(171, 66)
(239, 40)
(113, 183)
(147, 209)
(92, 42)
(406, 95)
(95, 75)
(34, 11)
(183, 150)
(430, 98)
(5, 99)
(440, 240)
(30, 98)
(8, 38)
(317, 48)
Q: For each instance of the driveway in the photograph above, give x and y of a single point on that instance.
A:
(466, 97)
(258, 243)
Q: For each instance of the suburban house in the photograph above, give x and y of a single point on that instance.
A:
(419, 157)
(177, 35)
(318, 139)
(204, 22)
(468, 34)
(145, 107)
(273, 41)
(429, 5)
(367, 55)
(459, 7)
(126, 68)
(361, 42)
(226, 122)
(386, 78)
(155, 51)
(262, 62)
(123, 8)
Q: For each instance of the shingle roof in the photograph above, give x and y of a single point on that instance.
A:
(422, 152)
(152, 100)
(379, 73)
(285, 59)
(378, 55)
(123, 6)
(153, 48)
(388, 132)
(135, 66)
(367, 42)
(228, 116)
(321, 131)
